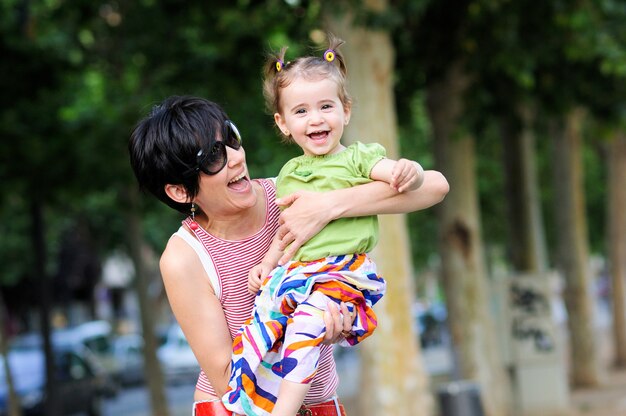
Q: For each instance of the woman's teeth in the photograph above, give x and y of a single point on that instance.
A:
(237, 178)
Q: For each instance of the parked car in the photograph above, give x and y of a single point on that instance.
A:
(177, 360)
(128, 351)
(80, 381)
(98, 337)
(430, 321)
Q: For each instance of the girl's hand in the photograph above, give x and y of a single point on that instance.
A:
(305, 216)
(338, 321)
(406, 175)
(256, 275)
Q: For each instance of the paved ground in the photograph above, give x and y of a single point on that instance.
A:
(609, 399)
(606, 400)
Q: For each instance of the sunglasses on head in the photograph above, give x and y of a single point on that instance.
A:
(214, 160)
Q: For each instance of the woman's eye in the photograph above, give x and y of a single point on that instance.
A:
(215, 150)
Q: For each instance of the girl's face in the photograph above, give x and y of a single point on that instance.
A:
(312, 113)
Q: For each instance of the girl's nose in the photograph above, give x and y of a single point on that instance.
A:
(315, 117)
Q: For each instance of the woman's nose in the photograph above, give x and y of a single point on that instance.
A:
(235, 156)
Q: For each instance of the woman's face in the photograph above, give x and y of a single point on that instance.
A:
(228, 192)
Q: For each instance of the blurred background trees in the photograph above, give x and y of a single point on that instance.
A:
(519, 104)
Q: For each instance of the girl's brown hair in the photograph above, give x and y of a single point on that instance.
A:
(278, 74)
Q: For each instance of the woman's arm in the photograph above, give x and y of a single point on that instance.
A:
(198, 311)
(308, 213)
(376, 197)
(201, 317)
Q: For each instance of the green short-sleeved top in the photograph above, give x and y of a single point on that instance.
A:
(348, 168)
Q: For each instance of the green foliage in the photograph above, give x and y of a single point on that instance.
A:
(416, 144)
(599, 34)
(78, 75)
(14, 246)
(83, 73)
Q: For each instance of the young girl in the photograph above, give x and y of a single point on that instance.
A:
(275, 354)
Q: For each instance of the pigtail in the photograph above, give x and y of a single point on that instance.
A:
(278, 74)
(333, 54)
(274, 65)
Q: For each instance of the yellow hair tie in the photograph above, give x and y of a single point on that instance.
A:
(329, 55)
(279, 65)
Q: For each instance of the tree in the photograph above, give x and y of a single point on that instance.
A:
(598, 36)
(587, 59)
(572, 247)
(527, 245)
(444, 56)
(616, 236)
(462, 254)
(396, 366)
(507, 39)
(13, 406)
(29, 145)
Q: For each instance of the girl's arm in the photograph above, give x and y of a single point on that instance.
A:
(258, 273)
(308, 212)
(402, 175)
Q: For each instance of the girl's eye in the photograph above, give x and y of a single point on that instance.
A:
(300, 111)
(326, 106)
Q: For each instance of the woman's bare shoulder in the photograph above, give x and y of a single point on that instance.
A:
(176, 251)
(180, 259)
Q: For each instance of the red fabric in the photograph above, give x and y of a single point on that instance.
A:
(216, 408)
(321, 409)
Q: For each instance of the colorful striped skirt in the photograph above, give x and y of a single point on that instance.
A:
(282, 338)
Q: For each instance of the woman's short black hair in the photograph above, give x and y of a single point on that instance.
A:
(164, 145)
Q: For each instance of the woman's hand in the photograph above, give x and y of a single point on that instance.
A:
(309, 212)
(338, 321)
(305, 216)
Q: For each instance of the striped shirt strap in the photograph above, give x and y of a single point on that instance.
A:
(205, 259)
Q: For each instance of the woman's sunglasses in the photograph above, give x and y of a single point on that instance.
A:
(214, 160)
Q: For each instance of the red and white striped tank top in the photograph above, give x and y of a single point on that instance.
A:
(232, 260)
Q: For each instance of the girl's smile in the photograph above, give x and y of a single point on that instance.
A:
(313, 115)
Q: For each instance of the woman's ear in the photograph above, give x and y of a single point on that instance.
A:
(280, 122)
(177, 193)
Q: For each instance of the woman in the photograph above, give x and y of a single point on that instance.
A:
(189, 155)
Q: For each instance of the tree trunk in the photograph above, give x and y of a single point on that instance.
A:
(394, 381)
(527, 246)
(616, 232)
(154, 375)
(572, 249)
(461, 248)
(13, 407)
(43, 283)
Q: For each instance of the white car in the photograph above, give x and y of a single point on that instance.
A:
(98, 337)
(178, 362)
(128, 350)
